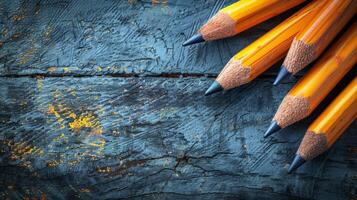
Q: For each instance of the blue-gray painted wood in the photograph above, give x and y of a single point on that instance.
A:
(142, 131)
(156, 138)
(87, 37)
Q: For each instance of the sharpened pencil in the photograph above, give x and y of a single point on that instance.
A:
(328, 127)
(253, 60)
(240, 16)
(314, 38)
(306, 95)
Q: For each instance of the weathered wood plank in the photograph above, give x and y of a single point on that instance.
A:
(106, 138)
(113, 37)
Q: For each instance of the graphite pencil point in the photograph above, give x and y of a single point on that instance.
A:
(313, 39)
(282, 74)
(215, 87)
(246, 65)
(240, 16)
(197, 38)
(274, 127)
(297, 162)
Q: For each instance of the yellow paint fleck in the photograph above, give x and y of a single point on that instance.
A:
(81, 123)
(25, 164)
(23, 103)
(59, 119)
(18, 17)
(86, 120)
(60, 137)
(86, 190)
(66, 69)
(154, 2)
(73, 115)
(104, 170)
(73, 162)
(98, 131)
(52, 164)
(20, 150)
(98, 143)
(51, 69)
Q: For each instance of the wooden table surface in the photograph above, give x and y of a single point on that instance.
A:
(99, 100)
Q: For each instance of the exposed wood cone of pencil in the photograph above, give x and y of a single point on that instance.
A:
(315, 37)
(264, 52)
(328, 127)
(238, 17)
(306, 95)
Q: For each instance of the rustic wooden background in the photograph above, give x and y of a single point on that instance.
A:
(98, 100)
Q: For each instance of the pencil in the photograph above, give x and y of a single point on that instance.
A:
(304, 97)
(264, 52)
(328, 127)
(315, 37)
(238, 17)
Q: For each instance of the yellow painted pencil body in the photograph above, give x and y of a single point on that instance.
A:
(317, 35)
(331, 124)
(242, 15)
(306, 95)
(338, 115)
(256, 58)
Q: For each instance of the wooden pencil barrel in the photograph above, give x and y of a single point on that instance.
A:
(338, 115)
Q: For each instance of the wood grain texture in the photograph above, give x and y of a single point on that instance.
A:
(113, 37)
(141, 131)
(105, 138)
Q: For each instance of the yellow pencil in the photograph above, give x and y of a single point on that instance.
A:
(328, 127)
(306, 95)
(314, 38)
(253, 60)
(240, 16)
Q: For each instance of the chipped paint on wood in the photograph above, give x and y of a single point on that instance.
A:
(144, 130)
(152, 127)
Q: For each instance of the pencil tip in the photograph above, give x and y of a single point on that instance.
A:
(274, 127)
(197, 38)
(297, 162)
(215, 87)
(282, 74)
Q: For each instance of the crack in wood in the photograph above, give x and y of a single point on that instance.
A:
(128, 75)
